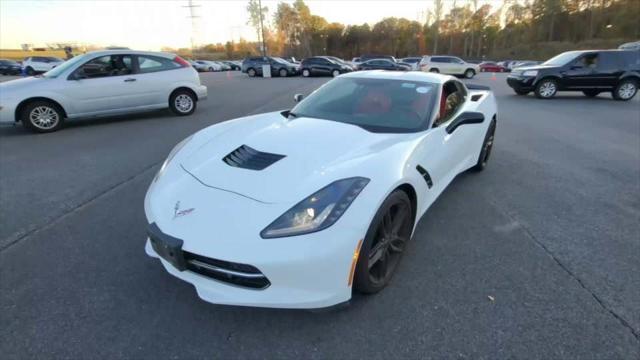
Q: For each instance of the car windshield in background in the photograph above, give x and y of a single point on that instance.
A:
(562, 59)
(377, 105)
(56, 71)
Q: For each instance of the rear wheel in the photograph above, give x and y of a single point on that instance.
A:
(335, 73)
(42, 116)
(470, 73)
(182, 102)
(29, 70)
(434, 70)
(251, 73)
(487, 146)
(283, 73)
(546, 89)
(625, 90)
(591, 93)
(306, 72)
(384, 243)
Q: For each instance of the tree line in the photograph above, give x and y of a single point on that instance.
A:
(514, 29)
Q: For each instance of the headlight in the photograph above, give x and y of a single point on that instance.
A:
(530, 73)
(172, 154)
(318, 211)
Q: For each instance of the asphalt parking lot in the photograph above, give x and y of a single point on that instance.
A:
(537, 257)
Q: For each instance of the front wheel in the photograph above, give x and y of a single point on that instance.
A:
(306, 73)
(182, 103)
(335, 73)
(625, 90)
(251, 73)
(487, 146)
(546, 89)
(469, 73)
(42, 117)
(434, 70)
(29, 70)
(283, 73)
(384, 243)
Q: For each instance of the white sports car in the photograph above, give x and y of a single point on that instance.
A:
(298, 208)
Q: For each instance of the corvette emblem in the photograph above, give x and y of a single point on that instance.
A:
(178, 213)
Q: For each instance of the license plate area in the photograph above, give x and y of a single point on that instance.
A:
(167, 247)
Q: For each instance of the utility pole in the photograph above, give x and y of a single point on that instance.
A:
(264, 48)
(192, 16)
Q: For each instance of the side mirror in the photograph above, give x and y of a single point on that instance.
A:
(469, 117)
(298, 97)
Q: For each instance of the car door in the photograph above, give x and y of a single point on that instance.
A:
(609, 68)
(103, 85)
(323, 66)
(156, 78)
(443, 155)
(456, 66)
(581, 73)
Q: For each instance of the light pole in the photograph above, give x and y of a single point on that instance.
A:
(264, 47)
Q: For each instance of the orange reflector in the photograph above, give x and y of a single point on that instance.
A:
(354, 261)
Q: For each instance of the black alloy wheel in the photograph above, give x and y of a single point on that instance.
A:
(384, 243)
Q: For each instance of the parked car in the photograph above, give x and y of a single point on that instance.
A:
(198, 66)
(383, 64)
(413, 61)
(451, 65)
(630, 46)
(253, 66)
(321, 65)
(210, 65)
(364, 58)
(232, 65)
(102, 83)
(9, 67)
(314, 204)
(355, 62)
(519, 64)
(490, 66)
(39, 64)
(591, 71)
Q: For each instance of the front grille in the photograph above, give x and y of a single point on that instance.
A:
(252, 159)
(242, 275)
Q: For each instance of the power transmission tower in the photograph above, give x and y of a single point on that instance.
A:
(192, 16)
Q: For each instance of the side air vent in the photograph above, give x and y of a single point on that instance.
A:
(425, 175)
(252, 159)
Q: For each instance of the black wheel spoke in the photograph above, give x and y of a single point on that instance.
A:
(396, 244)
(377, 252)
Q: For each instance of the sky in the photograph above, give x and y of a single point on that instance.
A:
(150, 25)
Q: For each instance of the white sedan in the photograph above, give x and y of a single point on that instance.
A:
(101, 83)
(297, 209)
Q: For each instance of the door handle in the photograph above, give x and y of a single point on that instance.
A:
(129, 80)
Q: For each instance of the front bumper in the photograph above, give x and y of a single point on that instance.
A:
(7, 111)
(304, 272)
(521, 83)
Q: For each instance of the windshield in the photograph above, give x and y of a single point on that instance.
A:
(56, 71)
(281, 61)
(562, 59)
(377, 105)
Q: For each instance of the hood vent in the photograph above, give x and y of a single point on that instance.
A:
(252, 159)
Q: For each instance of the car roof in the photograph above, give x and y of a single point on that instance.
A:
(400, 75)
(131, 52)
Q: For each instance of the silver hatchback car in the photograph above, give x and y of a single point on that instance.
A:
(102, 83)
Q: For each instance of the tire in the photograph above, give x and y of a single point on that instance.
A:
(306, 73)
(29, 70)
(434, 70)
(335, 73)
(42, 116)
(183, 102)
(591, 93)
(283, 73)
(384, 254)
(251, 72)
(211, 69)
(521, 92)
(626, 90)
(546, 88)
(469, 73)
(487, 146)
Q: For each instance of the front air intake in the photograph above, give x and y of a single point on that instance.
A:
(252, 159)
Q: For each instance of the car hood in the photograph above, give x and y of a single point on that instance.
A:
(313, 153)
(24, 83)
